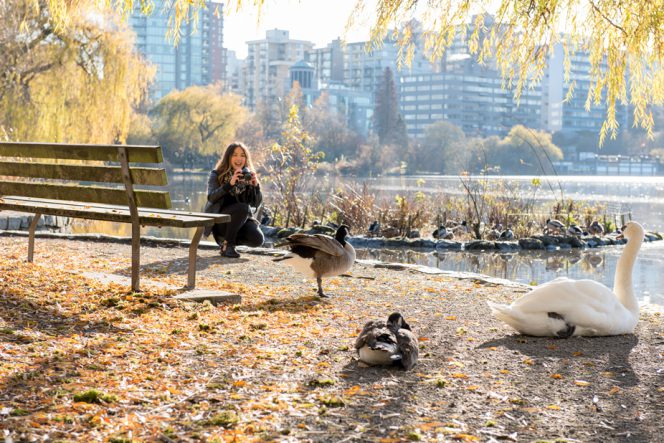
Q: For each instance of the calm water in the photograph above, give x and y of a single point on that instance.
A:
(642, 196)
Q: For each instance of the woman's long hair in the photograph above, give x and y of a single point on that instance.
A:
(223, 166)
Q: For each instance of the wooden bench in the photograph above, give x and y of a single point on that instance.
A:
(95, 182)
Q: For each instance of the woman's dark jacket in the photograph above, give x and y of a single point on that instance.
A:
(220, 196)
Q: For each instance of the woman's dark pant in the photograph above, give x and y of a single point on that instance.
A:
(240, 230)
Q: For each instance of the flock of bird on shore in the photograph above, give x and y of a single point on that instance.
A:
(561, 308)
(452, 229)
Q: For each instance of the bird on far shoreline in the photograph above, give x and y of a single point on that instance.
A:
(554, 225)
(595, 228)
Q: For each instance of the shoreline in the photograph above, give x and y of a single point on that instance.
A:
(149, 241)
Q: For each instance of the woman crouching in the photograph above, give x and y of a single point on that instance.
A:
(233, 188)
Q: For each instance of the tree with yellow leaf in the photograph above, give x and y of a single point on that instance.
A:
(621, 40)
(200, 119)
(74, 83)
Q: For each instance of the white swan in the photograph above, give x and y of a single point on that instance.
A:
(563, 307)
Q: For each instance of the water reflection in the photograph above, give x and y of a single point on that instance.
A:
(536, 267)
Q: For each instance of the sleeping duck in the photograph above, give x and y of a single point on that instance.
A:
(388, 343)
(320, 255)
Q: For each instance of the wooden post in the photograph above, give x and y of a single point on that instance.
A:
(133, 211)
(193, 247)
(31, 236)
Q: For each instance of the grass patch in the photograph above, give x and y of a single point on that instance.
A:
(94, 396)
(226, 419)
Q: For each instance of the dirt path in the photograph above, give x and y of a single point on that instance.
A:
(281, 366)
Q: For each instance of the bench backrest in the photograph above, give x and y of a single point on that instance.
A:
(101, 174)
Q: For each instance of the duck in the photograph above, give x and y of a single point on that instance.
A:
(507, 234)
(319, 255)
(595, 228)
(574, 230)
(388, 343)
(493, 234)
(461, 228)
(553, 225)
(564, 307)
(449, 224)
(442, 233)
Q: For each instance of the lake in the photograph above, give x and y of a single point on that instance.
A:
(643, 197)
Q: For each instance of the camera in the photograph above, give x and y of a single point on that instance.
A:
(246, 174)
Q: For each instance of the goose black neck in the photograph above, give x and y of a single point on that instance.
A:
(340, 236)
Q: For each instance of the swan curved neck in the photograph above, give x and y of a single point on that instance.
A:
(622, 283)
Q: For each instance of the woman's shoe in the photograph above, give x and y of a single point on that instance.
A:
(229, 251)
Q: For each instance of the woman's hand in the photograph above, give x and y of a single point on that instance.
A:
(235, 177)
(254, 179)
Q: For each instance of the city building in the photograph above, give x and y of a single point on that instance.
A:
(235, 76)
(198, 58)
(328, 63)
(468, 95)
(571, 115)
(267, 67)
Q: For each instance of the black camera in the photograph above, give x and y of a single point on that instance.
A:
(246, 174)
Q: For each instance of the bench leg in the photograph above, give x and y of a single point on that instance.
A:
(31, 236)
(135, 256)
(193, 248)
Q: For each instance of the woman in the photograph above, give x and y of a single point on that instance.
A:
(233, 191)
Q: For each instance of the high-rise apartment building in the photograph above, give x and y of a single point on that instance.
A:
(235, 77)
(328, 63)
(468, 95)
(198, 59)
(570, 115)
(267, 67)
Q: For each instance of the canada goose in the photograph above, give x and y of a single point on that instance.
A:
(553, 225)
(507, 234)
(564, 307)
(574, 230)
(443, 233)
(320, 255)
(388, 343)
(595, 228)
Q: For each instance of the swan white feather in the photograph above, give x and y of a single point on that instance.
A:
(565, 307)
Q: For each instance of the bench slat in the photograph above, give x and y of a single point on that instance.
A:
(140, 154)
(108, 174)
(111, 213)
(70, 203)
(93, 194)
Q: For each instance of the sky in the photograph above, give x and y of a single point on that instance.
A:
(318, 21)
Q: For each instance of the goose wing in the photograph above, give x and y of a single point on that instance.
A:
(407, 342)
(320, 242)
(370, 334)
